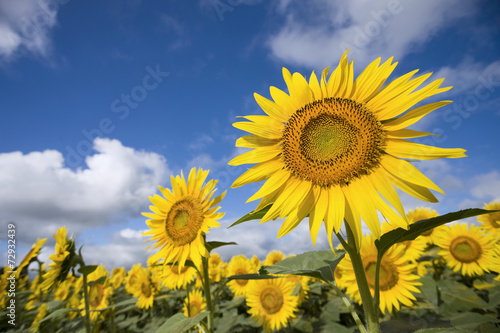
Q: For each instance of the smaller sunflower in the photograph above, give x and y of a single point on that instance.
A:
(491, 222)
(194, 304)
(62, 291)
(240, 265)
(99, 293)
(467, 249)
(396, 279)
(215, 267)
(132, 278)
(32, 254)
(42, 312)
(179, 221)
(144, 289)
(271, 302)
(173, 278)
(118, 276)
(61, 260)
(413, 248)
(303, 283)
(273, 257)
(419, 214)
(255, 263)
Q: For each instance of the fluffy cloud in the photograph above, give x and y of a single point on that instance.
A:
(25, 26)
(318, 31)
(40, 194)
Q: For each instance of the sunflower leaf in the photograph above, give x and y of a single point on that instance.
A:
(317, 264)
(215, 244)
(251, 277)
(252, 216)
(86, 270)
(180, 323)
(416, 229)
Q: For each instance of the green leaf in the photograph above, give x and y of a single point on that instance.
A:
(442, 330)
(86, 270)
(252, 216)
(100, 280)
(180, 323)
(58, 314)
(214, 244)
(429, 289)
(400, 235)
(459, 297)
(471, 320)
(316, 264)
(251, 277)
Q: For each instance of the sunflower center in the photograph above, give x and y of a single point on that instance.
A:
(146, 289)
(332, 142)
(184, 221)
(388, 274)
(194, 308)
(96, 294)
(241, 271)
(465, 249)
(271, 300)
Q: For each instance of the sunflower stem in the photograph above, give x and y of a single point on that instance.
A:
(370, 311)
(208, 296)
(377, 281)
(350, 307)
(87, 308)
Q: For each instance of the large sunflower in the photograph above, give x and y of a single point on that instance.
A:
(181, 219)
(467, 249)
(271, 302)
(491, 222)
(331, 149)
(397, 280)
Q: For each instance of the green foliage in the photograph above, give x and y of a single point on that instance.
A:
(214, 244)
(252, 216)
(180, 323)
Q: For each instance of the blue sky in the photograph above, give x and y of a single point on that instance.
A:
(101, 101)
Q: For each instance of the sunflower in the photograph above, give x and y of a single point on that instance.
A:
(214, 267)
(99, 293)
(271, 302)
(468, 249)
(255, 261)
(194, 304)
(302, 282)
(413, 248)
(331, 148)
(240, 265)
(118, 276)
(61, 260)
(42, 312)
(33, 253)
(62, 290)
(173, 278)
(422, 213)
(132, 278)
(273, 257)
(144, 289)
(396, 278)
(181, 219)
(491, 222)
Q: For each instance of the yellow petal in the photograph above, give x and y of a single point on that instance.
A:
(256, 155)
(406, 133)
(254, 141)
(412, 150)
(264, 126)
(271, 108)
(318, 213)
(274, 182)
(315, 87)
(336, 210)
(258, 172)
(412, 116)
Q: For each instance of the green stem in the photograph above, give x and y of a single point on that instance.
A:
(377, 281)
(113, 329)
(87, 308)
(370, 311)
(208, 296)
(350, 307)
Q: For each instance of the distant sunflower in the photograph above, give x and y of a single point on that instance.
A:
(331, 149)
(144, 289)
(62, 291)
(467, 249)
(99, 293)
(181, 219)
(42, 312)
(214, 267)
(118, 276)
(491, 222)
(419, 214)
(255, 263)
(273, 257)
(172, 278)
(61, 260)
(396, 279)
(195, 305)
(240, 265)
(271, 302)
(131, 279)
(413, 248)
(32, 254)
(303, 282)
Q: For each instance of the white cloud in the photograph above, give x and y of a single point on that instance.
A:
(317, 32)
(486, 186)
(40, 194)
(25, 26)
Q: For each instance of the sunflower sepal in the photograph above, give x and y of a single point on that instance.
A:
(86, 270)
(416, 229)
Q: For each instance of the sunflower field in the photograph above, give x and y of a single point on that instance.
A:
(332, 150)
